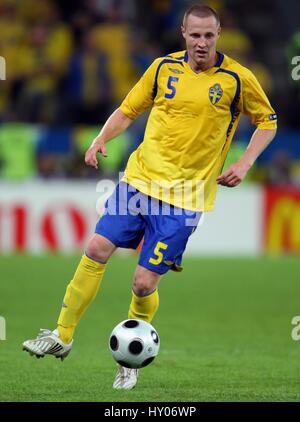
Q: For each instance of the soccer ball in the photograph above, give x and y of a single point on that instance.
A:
(134, 343)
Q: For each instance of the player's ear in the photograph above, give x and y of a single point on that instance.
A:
(183, 31)
(219, 31)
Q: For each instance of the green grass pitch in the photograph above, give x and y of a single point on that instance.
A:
(225, 329)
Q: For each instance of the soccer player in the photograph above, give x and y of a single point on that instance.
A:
(197, 97)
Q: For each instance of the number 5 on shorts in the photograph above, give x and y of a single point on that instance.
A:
(157, 252)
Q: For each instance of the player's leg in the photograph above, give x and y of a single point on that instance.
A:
(112, 230)
(84, 286)
(79, 294)
(144, 304)
(145, 299)
(165, 240)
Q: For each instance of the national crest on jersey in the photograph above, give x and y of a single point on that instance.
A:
(215, 93)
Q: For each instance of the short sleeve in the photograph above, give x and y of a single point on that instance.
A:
(255, 104)
(141, 96)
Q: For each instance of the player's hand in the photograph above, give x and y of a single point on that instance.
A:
(91, 154)
(234, 175)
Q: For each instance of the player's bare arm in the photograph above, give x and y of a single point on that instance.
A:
(235, 174)
(117, 123)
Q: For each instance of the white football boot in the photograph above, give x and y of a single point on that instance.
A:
(126, 378)
(47, 343)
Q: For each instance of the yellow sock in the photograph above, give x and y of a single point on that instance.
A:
(79, 294)
(144, 307)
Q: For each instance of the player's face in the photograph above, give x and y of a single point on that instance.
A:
(201, 36)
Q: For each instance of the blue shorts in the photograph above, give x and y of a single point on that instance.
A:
(131, 216)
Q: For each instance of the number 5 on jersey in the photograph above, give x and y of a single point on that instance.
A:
(157, 252)
(172, 88)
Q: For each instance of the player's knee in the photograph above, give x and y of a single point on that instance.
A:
(141, 289)
(143, 285)
(99, 249)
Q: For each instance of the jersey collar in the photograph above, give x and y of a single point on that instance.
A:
(217, 64)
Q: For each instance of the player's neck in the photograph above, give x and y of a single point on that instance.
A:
(198, 68)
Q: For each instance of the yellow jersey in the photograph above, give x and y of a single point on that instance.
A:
(191, 125)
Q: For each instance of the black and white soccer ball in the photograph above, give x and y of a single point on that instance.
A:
(134, 343)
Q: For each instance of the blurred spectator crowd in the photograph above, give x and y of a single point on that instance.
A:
(69, 64)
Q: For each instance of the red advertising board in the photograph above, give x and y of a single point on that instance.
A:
(282, 219)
